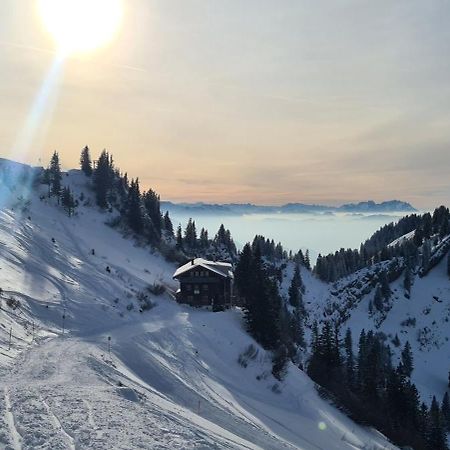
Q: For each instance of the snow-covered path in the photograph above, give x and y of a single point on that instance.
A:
(64, 394)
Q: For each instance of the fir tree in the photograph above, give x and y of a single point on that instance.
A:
(86, 162)
(294, 288)
(349, 359)
(204, 240)
(151, 202)
(55, 175)
(445, 412)
(407, 360)
(67, 200)
(436, 436)
(179, 244)
(168, 226)
(307, 260)
(133, 207)
(103, 178)
(190, 235)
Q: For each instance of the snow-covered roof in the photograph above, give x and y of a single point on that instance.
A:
(223, 269)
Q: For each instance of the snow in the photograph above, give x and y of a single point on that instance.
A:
(172, 379)
(428, 310)
(221, 268)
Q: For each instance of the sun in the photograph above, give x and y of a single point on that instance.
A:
(79, 26)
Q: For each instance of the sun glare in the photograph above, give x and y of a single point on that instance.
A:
(79, 26)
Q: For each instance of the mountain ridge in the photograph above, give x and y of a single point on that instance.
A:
(368, 206)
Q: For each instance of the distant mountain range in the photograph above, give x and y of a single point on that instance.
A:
(289, 208)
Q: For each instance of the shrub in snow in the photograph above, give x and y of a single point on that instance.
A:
(250, 353)
(156, 288)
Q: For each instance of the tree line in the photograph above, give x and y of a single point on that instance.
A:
(373, 391)
(428, 229)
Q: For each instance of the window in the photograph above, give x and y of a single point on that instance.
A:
(189, 287)
(196, 289)
(205, 287)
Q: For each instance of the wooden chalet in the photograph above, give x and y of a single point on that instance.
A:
(205, 283)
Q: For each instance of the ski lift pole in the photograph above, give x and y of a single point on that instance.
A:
(109, 347)
(10, 339)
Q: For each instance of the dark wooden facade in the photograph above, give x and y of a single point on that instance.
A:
(201, 286)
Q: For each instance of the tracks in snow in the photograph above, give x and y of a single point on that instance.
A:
(15, 437)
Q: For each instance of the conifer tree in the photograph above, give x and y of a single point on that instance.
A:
(307, 260)
(190, 235)
(436, 436)
(294, 288)
(151, 202)
(86, 162)
(103, 178)
(168, 226)
(179, 244)
(67, 200)
(445, 411)
(133, 207)
(407, 360)
(204, 240)
(55, 175)
(349, 359)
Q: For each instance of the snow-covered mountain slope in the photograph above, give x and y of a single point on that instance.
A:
(423, 319)
(172, 378)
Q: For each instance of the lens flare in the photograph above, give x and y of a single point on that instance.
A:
(79, 26)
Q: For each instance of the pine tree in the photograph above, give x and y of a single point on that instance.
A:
(436, 436)
(294, 288)
(407, 360)
(190, 235)
(349, 359)
(67, 200)
(179, 244)
(445, 412)
(297, 328)
(86, 162)
(103, 178)
(151, 202)
(204, 240)
(242, 273)
(426, 254)
(307, 260)
(55, 175)
(168, 226)
(133, 207)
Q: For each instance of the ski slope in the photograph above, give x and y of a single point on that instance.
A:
(172, 378)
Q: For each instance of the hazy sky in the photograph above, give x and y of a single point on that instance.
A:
(247, 100)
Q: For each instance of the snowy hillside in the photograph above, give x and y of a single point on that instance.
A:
(172, 378)
(423, 319)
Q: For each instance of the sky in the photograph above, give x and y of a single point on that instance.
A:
(243, 101)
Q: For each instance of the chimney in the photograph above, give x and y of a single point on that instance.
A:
(192, 261)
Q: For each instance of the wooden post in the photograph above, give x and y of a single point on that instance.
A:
(63, 320)
(10, 339)
(109, 347)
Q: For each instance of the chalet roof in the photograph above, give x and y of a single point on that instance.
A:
(223, 269)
